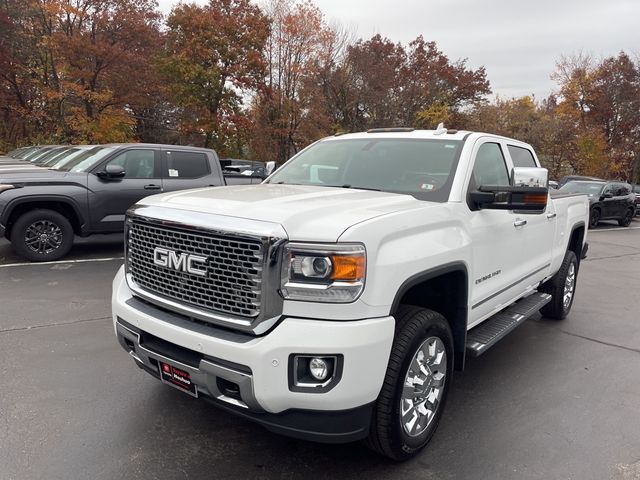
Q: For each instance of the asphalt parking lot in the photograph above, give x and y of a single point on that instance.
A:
(554, 400)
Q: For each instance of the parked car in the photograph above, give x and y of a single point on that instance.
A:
(636, 191)
(607, 200)
(42, 209)
(572, 178)
(336, 302)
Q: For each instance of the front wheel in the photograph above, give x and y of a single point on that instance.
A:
(562, 287)
(626, 220)
(42, 235)
(416, 384)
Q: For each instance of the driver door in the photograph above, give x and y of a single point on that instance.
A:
(109, 199)
(498, 238)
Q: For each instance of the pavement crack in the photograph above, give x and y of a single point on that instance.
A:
(630, 349)
(612, 256)
(59, 324)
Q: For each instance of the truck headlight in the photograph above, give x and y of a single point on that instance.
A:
(331, 273)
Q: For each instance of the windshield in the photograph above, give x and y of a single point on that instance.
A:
(84, 161)
(50, 154)
(60, 157)
(36, 153)
(419, 167)
(590, 188)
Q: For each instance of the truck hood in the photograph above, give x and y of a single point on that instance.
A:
(307, 213)
(36, 176)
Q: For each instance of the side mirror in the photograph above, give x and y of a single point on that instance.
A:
(528, 192)
(112, 171)
(271, 166)
(607, 195)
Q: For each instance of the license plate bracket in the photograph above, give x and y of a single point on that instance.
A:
(177, 378)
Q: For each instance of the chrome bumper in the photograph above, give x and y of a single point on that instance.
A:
(204, 372)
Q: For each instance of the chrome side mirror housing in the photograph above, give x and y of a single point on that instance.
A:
(530, 177)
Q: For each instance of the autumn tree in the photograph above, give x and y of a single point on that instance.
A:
(76, 69)
(299, 46)
(602, 99)
(212, 59)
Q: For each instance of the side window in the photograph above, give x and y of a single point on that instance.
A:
(521, 157)
(137, 163)
(625, 189)
(489, 167)
(186, 165)
(610, 188)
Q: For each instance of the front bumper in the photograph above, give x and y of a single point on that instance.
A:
(259, 366)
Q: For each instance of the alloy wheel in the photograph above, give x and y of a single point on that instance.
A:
(569, 286)
(43, 236)
(423, 387)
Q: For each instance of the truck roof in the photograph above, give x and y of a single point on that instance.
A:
(420, 134)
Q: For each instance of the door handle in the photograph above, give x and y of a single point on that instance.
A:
(551, 215)
(519, 223)
(152, 187)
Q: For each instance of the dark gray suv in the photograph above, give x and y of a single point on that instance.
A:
(608, 200)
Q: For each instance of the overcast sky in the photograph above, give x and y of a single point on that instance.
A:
(517, 41)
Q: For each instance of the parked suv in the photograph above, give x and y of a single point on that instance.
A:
(636, 190)
(607, 200)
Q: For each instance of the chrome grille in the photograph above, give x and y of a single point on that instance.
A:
(233, 284)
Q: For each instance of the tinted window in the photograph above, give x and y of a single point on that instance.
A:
(625, 189)
(589, 188)
(137, 163)
(419, 167)
(489, 167)
(521, 157)
(186, 165)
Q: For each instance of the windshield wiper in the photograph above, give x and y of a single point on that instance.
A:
(356, 187)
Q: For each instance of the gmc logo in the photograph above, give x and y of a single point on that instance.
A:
(182, 262)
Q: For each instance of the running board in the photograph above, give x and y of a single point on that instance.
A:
(491, 331)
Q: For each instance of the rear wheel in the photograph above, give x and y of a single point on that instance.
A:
(42, 235)
(594, 218)
(416, 384)
(562, 287)
(626, 220)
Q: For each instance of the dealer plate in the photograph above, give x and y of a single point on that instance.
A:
(178, 378)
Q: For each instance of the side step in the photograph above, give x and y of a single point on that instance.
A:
(492, 330)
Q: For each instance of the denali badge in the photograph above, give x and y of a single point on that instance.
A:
(183, 262)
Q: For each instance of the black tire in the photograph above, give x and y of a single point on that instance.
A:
(54, 242)
(594, 218)
(557, 308)
(626, 220)
(414, 328)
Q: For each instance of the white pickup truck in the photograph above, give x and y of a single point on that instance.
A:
(334, 301)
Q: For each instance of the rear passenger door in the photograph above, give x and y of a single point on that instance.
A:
(183, 169)
(539, 230)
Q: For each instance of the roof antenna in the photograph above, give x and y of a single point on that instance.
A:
(440, 129)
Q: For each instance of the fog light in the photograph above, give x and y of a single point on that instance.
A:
(318, 368)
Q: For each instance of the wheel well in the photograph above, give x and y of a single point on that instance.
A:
(576, 241)
(60, 207)
(447, 295)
